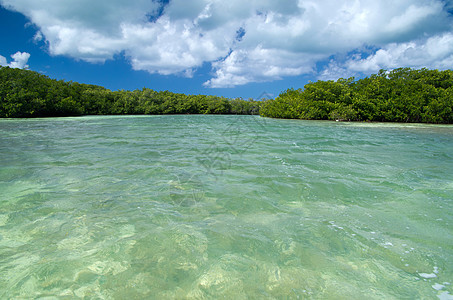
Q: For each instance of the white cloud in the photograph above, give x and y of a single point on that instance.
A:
(20, 60)
(251, 41)
(411, 17)
(334, 70)
(38, 37)
(169, 47)
(84, 29)
(3, 61)
(434, 52)
(260, 65)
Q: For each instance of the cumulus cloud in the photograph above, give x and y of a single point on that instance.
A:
(173, 46)
(436, 52)
(251, 41)
(433, 52)
(19, 61)
(260, 65)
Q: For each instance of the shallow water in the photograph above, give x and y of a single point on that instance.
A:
(224, 206)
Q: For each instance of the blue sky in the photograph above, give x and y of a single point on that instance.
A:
(228, 48)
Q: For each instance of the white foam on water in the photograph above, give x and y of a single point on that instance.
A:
(427, 276)
(445, 296)
(438, 286)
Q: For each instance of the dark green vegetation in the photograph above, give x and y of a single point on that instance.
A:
(401, 95)
(25, 93)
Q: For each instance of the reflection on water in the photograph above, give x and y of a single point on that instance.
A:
(224, 206)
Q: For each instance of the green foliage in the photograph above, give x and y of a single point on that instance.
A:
(401, 95)
(26, 93)
(288, 105)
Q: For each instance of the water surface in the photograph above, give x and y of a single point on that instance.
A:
(224, 206)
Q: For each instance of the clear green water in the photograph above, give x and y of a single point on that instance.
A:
(224, 207)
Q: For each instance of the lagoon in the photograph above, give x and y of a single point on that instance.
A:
(205, 206)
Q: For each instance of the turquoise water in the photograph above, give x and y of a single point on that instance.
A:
(229, 207)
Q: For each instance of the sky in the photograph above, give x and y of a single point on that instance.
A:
(233, 48)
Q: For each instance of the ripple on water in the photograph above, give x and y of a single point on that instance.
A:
(224, 207)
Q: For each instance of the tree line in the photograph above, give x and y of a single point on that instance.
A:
(400, 95)
(25, 93)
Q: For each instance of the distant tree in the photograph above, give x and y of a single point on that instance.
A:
(400, 95)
